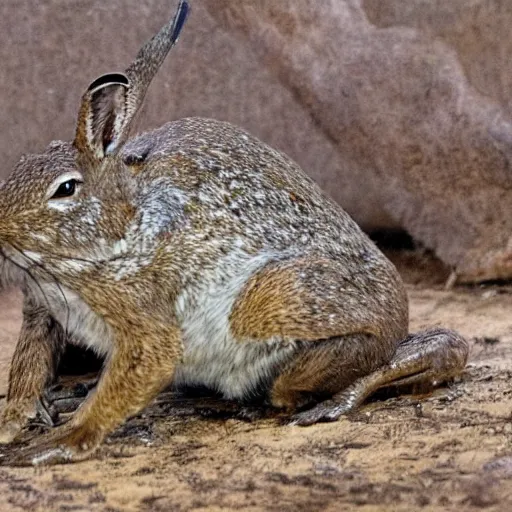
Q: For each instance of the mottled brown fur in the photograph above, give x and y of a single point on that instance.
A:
(298, 299)
(331, 365)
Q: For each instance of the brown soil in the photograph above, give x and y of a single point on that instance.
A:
(449, 450)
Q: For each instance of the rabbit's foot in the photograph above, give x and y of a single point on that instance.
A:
(329, 410)
(17, 414)
(64, 445)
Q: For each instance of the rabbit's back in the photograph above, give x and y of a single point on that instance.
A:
(237, 187)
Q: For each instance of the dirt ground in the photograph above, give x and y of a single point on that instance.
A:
(449, 450)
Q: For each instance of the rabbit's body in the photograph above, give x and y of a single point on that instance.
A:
(195, 254)
(248, 207)
(213, 207)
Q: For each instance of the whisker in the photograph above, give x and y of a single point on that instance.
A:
(66, 257)
(84, 260)
(55, 280)
(28, 273)
(73, 258)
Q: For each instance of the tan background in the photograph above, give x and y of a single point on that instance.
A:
(52, 49)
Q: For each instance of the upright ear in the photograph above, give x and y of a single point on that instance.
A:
(103, 116)
(111, 101)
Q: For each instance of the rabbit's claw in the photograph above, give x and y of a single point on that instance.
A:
(48, 411)
(63, 445)
(17, 414)
(329, 410)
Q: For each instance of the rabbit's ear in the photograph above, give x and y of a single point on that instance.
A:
(111, 102)
(103, 117)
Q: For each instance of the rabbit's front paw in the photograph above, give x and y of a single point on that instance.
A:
(65, 444)
(15, 416)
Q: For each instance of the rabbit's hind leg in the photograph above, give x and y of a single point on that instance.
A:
(432, 357)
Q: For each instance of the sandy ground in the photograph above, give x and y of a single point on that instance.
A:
(449, 450)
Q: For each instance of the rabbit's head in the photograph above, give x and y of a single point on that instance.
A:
(68, 207)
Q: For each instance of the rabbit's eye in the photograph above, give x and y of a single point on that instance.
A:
(66, 189)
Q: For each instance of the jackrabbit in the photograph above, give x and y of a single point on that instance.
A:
(194, 254)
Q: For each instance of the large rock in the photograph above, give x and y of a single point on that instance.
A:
(382, 117)
(478, 30)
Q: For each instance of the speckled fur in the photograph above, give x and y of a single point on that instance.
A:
(193, 251)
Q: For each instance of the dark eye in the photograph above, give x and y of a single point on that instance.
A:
(66, 189)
